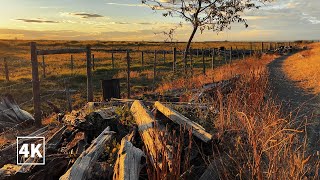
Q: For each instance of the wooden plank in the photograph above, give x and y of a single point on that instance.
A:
(149, 134)
(81, 167)
(128, 163)
(178, 118)
(60, 51)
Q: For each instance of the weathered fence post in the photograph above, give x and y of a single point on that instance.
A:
(191, 60)
(112, 59)
(154, 69)
(243, 54)
(164, 56)
(71, 63)
(93, 64)
(203, 64)
(212, 59)
(230, 58)
(6, 69)
(43, 67)
(238, 53)
(251, 49)
(174, 59)
(35, 85)
(262, 47)
(225, 55)
(185, 56)
(128, 74)
(197, 52)
(68, 96)
(89, 75)
(142, 59)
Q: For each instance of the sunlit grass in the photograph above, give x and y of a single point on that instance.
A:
(304, 68)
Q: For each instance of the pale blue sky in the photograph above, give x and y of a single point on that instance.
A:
(130, 20)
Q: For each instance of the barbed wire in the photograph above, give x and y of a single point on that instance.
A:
(13, 85)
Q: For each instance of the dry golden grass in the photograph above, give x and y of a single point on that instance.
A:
(217, 74)
(304, 68)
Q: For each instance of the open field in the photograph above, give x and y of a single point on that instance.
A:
(59, 72)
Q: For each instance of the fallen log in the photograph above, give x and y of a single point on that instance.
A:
(10, 113)
(51, 141)
(149, 134)
(211, 172)
(178, 118)
(129, 161)
(6, 154)
(81, 167)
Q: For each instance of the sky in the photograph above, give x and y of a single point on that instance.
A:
(130, 20)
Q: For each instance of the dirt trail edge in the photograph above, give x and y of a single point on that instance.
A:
(293, 99)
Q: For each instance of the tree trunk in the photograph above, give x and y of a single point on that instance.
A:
(195, 28)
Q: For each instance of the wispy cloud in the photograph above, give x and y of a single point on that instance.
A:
(311, 19)
(37, 21)
(130, 5)
(85, 15)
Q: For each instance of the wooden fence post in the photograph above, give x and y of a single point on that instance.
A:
(225, 55)
(174, 59)
(262, 47)
(197, 52)
(35, 85)
(164, 56)
(142, 59)
(212, 59)
(154, 69)
(238, 53)
(112, 59)
(43, 67)
(185, 52)
(71, 63)
(128, 74)
(191, 60)
(251, 49)
(93, 65)
(6, 69)
(68, 96)
(243, 55)
(203, 64)
(89, 75)
(230, 58)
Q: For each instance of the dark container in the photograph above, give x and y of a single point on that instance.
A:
(110, 89)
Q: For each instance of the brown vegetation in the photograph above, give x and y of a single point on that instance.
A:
(303, 67)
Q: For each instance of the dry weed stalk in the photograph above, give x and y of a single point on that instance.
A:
(256, 141)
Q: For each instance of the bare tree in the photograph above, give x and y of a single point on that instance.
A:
(203, 15)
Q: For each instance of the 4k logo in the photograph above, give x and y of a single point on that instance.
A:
(30, 150)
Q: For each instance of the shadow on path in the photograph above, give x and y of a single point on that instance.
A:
(292, 97)
(295, 100)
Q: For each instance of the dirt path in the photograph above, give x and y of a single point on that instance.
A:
(295, 100)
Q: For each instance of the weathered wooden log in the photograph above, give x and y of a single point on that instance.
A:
(211, 172)
(178, 118)
(51, 141)
(81, 167)
(149, 134)
(128, 164)
(11, 114)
